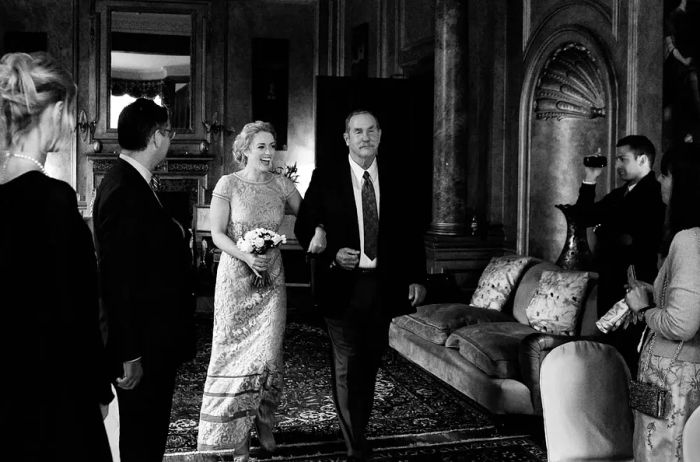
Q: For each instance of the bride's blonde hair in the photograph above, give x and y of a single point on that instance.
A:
(28, 85)
(245, 137)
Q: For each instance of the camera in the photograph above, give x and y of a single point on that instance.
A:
(595, 161)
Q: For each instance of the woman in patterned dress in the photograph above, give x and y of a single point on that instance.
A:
(671, 354)
(244, 379)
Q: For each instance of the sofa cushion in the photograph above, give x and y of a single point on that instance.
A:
(436, 322)
(498, 279)
(556, 306)
(492, 347)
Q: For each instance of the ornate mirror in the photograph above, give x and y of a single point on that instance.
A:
(155, 51)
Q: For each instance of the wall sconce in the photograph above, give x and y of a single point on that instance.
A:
(87, 130)
(215, 127)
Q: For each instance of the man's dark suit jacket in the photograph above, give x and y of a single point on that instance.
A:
(329, 201)
(631, 226)
(145, 271)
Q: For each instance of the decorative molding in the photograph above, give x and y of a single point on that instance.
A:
(527, 17)
(380, 48)
(615, 18)
(187, 167)
(396, 67)
(632, 65)
(192, 166)
(339, 37)
(595, 5)
(537, 54)
(570, 85)
(144, 22)
(176, 174)
(188, 185)
(102, 165)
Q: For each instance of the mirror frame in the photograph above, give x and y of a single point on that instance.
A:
(199, 13)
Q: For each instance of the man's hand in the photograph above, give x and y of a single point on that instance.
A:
(133, 371)
(416, 294)
(591, 174)
(347, 258)
(318, 242)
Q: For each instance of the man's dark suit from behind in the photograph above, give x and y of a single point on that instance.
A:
(628, 226)
(146, 285)
(359, 295)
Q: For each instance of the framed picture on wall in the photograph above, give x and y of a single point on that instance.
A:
(360, 44)
(270, 80)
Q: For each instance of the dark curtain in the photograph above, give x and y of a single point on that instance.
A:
(178, 103)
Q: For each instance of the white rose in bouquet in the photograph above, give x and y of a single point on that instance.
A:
(258, 241)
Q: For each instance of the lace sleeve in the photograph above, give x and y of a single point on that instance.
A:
(287, 186)
(222, 190)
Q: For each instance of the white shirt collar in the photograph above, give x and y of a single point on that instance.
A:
(359, 171)
(143, 171)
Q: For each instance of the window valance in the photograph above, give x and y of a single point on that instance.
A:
(137, 88)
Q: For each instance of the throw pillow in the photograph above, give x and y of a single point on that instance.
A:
(498, 279)
(557, 303)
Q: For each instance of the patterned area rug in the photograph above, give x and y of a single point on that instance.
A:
(452, 446)
(408, 400)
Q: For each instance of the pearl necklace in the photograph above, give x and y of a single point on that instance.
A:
(22, 156)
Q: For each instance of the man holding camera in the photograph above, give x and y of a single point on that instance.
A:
(628, 223)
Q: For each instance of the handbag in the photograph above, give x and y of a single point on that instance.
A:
(649, 398)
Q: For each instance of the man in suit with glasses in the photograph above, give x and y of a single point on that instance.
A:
(145, 282)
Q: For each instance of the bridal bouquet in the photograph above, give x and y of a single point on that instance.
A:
(258, 241)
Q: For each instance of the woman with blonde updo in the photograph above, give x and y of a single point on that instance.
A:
(244, 380)
(56, 389)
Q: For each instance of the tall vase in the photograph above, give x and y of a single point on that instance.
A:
(575, 255)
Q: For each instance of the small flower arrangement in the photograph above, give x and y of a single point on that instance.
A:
(290, 171)
(259, 241)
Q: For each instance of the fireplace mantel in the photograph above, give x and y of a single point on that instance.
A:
(175, 165)
(177, 174)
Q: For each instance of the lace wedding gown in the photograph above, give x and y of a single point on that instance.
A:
(244, 379)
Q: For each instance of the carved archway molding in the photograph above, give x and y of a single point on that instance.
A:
(541, 48)
(570, 85)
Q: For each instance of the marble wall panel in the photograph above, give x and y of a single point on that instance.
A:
(555, 174)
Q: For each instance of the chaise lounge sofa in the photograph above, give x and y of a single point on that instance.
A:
(493, 356)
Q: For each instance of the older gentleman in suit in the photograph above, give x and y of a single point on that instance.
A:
(373, 267)
(146, 288)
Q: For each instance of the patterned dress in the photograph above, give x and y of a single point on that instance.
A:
(244, 380)
(677, 290)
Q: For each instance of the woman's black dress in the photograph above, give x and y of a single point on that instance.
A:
(53, 368)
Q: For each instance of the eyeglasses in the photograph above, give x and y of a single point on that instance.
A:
(169, 132)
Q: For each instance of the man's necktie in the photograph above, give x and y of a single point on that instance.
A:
(155, 183)
(370, 217)
(155, 186)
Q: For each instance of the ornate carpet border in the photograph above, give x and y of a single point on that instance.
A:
(450, 445)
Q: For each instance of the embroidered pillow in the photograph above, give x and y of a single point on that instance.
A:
(498, 279)
(557, 303)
